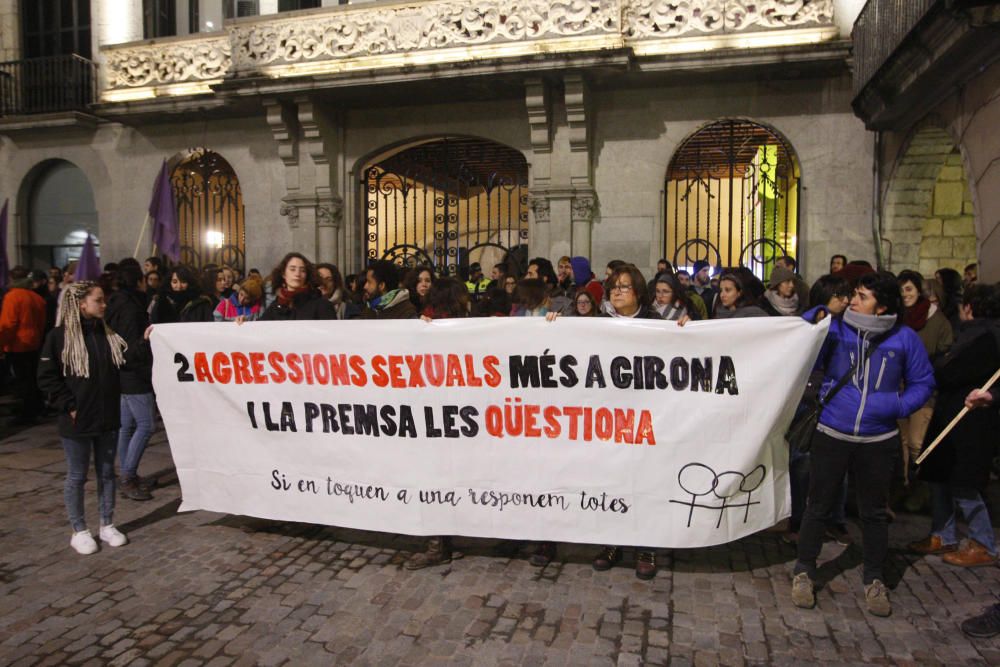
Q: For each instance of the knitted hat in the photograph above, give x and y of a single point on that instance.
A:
(699, 265)
(253, 288)
(779, 274)
(581, 270)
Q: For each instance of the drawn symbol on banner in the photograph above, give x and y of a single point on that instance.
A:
(732, 488)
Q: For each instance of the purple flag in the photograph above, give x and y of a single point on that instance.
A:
(163, 211)
(89, 266)
(4, 266)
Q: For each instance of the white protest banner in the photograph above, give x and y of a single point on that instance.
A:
(591, 430)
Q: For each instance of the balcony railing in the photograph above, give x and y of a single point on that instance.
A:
(47, 85)
(367, 37)
(878, 31)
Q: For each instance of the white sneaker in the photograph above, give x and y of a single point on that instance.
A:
(113, 536)
(84, 543)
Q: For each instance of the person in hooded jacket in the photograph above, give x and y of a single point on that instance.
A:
(297, 295)
(958, 469)
(79, 371)
(584, 278)
(244, 303)
(858, 428)
(126, 315)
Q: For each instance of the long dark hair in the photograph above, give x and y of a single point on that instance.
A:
(410, 281)
(744, 299)
(448, 298)
(951, 282)
(278, 275)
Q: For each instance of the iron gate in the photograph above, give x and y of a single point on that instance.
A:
(209, 211)
(448, 203)
(732, 198)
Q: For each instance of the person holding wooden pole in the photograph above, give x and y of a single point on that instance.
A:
(958, 469)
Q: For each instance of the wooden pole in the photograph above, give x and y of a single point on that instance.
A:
(142, 232)
(958, 418)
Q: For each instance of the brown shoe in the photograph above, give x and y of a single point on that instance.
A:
(972, 554)
(645, 565)
(607, 558)
(438, 553)
(931, 545)
(544, 554)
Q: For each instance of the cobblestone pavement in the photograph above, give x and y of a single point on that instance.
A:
(202, 588)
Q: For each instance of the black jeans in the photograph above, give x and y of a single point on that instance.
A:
(24, 365)
(871, 465)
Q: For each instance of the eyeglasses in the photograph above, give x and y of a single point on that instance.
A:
(583, 302)
(621, 288)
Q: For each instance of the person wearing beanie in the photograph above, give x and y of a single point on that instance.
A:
(801, 288)
(244, 302)
(780, 298)
(701, 285)
(583, 278)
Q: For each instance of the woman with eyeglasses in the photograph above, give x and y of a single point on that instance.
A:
(670, 301)
(628, 297)
(584, 304)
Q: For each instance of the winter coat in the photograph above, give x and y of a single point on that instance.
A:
(965, 456)
(95, 399)
(937, 335)
(308, 305)
(871, 402)
(22, 321)
(126, 315)
(645, 313)
(186, 306)
(723, 313)
(229, 309)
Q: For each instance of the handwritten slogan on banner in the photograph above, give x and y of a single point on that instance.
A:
(580, 430)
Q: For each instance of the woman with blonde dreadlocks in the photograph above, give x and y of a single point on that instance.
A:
(78, 370)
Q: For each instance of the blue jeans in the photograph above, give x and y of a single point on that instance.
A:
(77, 461)
(138, 415)
(945, 499)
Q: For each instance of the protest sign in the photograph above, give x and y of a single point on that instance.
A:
(594, 430)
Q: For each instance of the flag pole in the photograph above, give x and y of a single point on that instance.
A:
(142, 232)
(958, 418)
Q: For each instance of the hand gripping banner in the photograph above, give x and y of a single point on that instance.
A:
(580, 430)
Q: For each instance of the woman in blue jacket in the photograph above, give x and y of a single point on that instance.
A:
(858, 428)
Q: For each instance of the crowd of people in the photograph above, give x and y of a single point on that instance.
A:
(903, 355)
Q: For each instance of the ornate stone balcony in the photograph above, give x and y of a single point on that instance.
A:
(381, 36)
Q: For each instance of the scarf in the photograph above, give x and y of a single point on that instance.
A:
(670, 311)
(869, 324)
(610, 310)
(387, 299)
(287, 296)
(917, 315)
(784, 305)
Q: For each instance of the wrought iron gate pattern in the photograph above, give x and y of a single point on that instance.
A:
(732, 198)
(447, 203)
(210, 211)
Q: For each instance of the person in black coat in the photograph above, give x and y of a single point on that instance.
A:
(79, 371)
(183, 300)
(628, 297)
(126, 315)
(297, 294)
(959, 468)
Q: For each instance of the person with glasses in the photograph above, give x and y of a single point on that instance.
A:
(671, 301)
(584, 305)
(628, 297)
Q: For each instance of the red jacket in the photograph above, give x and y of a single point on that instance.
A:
(22, 321)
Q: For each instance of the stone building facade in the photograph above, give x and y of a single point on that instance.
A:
(598, 105)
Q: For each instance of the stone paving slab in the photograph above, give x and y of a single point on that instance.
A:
(209, 589)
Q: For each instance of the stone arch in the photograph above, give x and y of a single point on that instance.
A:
(732, 196)
(928, 218)
(445, 200)
(57, 206)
